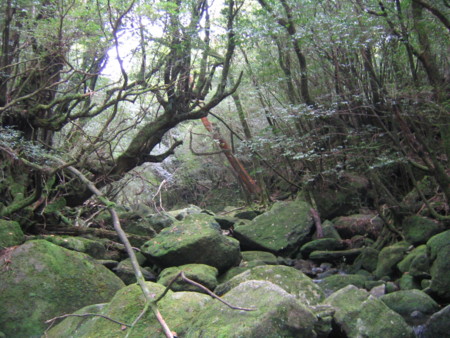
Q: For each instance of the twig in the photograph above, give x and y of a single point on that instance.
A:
(204, 288)
(50, 321)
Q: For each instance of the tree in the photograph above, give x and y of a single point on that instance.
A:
(51, 64)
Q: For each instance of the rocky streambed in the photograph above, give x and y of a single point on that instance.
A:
(287, 276)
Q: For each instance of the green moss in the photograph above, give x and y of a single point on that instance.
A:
(177, 309)
(276, 314)
(360, 315)
(54, 281)
(280, 230)
(290, 279)
(405, 302)
(10, 233)
(201, 273)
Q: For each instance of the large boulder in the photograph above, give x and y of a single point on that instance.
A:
(196, 239)
(289, 279)
(276, 313)
(418, 229)
(281, 230)
(438, 250)
(10, 234)
(177, 308)
(40, 280)
(408, 303)
(358, 314)
(416, 263)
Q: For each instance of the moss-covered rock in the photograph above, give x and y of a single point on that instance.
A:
(405, 264)
(437, 325)
(276, 314)
(181, 214)
(200, 273)
(418, 229)
(358, 224)
(342, 256)
(10, 234)
(262, 256)
(367, 260)
(196, 239)
(328, 231)
(93, 248)
(436, 243)
(388, 259)
(124, 270)
(405, 302)
(322, 244)
(40, 280)
(333, 283)
(290, 279)
(438, 250)
(177, 308)
(360, 315)
(407, 282)
(281, 230)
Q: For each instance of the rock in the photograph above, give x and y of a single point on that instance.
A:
(436, 243)
(418, 229)
(90, 247)
(72, 325)
(225, 222)
(328, 231)
(263, 256)
(347, 256)
(124, 270)
(183, 213)
(234, 271)
(332, 202)
(378, 291)
(405, 302)
(359, 224)
(437, 325)
(247, 214)
(323, 244)
(281, 230)
(197, 239)
(10, 234)
(40, 280)
(200, 273)
(177, 308)
(405, 264)
(438, 250)
(407, 282)
(388, 259)
(367, 260)
(360, 315)
(146, 226)
(276, 314)
(334, 283)
(289, 279)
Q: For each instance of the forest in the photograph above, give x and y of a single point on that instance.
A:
(110, 108)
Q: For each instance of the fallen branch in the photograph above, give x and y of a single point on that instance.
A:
(123, 237)
(204, 288)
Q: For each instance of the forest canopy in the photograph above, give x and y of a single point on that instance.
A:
(299, 89)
